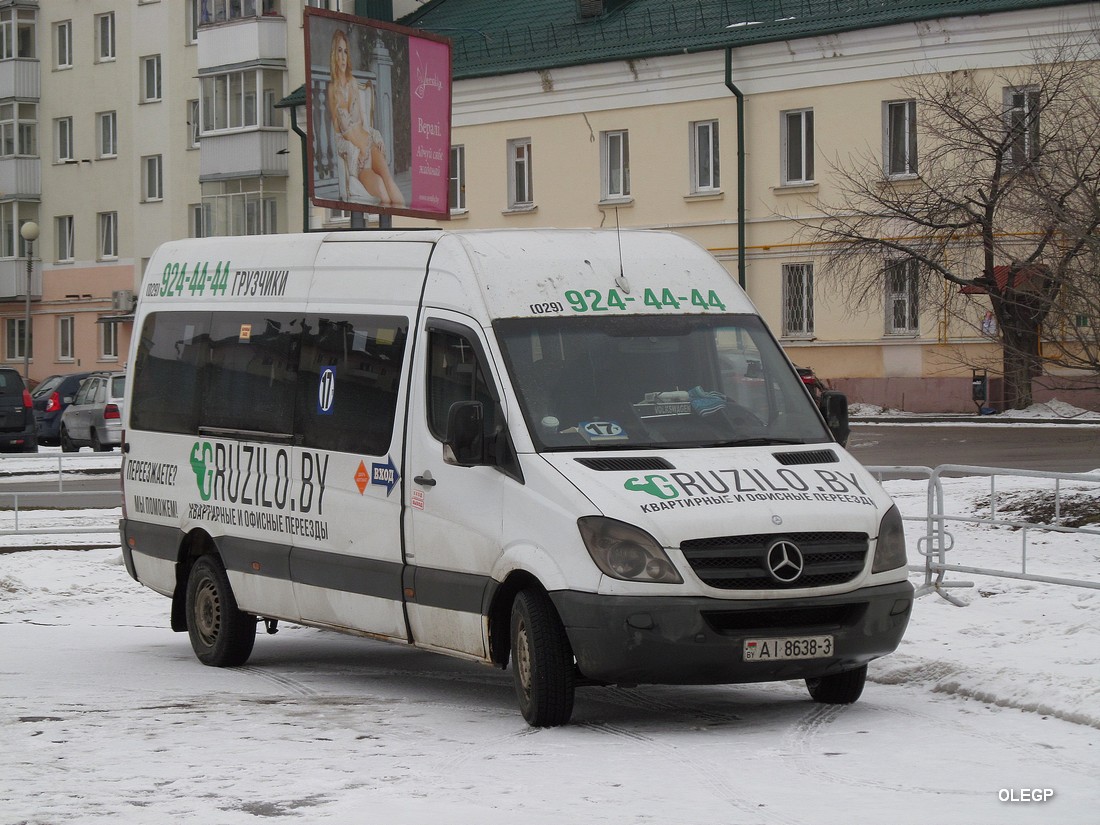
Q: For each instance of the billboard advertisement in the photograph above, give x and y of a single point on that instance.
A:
(378, 100)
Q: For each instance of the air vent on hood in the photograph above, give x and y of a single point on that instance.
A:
(809, 457)
(626, 464)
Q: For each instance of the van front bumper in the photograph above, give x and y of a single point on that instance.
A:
(699, 640)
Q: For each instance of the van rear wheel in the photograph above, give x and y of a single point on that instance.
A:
(838, 688)
(542, 661)
(221, 634)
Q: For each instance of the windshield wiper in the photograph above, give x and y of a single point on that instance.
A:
(759, 441)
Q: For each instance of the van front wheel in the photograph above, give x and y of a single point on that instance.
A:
(221, 635)
(542, 661)
(839, 688)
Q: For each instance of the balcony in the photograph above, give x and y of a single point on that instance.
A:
(243, 42)
(13, 280)
(246, 154)
(20, 78)
(20, 178)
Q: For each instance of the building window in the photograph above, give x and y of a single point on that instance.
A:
(108, 340)
(1022, 124)
(107, 129)
(615, 160)
(108, 235)
(194, 126)
(241, 210)
(65, 238)
(17, 33)
(66, 347)
(220, 11)
(520, 193)
(704, 156)
(194, 13)
(798, 300)
(194, 210)
(63, 44)
(457, 196)
(16, 338)
(19, 129)
(901, 137)
(152, 181)
(798, 146)
(63, 129)
(150, 78)
(13, 215)
(231, 101)
(901, 297)
(105, 36)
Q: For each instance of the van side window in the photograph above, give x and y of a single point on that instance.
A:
(171, 355)
(252, 373)
(349, 375)
(455, 374)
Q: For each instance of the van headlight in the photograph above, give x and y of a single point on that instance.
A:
(890, 548)
(625, 552)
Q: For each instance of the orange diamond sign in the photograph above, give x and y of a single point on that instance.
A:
(362, 477)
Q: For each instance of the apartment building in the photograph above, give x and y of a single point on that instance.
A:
(124, 123)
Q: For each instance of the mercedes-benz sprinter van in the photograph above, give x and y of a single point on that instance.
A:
(579, 452)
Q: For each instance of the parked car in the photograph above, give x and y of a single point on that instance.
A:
(94, 418)
(51, 397)
(17, 430)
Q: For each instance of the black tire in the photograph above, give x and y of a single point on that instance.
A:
(67, 445)
(542, 661)
(97, 445)
(839, 688)
(221, 635)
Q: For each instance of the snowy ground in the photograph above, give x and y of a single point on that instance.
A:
(107, 717)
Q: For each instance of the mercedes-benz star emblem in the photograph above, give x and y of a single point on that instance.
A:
(784, 561)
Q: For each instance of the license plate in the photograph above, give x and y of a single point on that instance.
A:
(789, 647)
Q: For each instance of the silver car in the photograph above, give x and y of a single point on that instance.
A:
(94, 418)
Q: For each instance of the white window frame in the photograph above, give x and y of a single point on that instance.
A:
(105, 37)
(16, 336)
(705, 159)
(66, 241)
(152, 178)
(899, 138)
(194, 227)
(230, 101)
(194, 124)
(18, 129)
(1022, 124)
(902, 289)
(521, 194)
(797, 146)
(108, 340)
(457, 189)
(107, 134)
(63, 140)
(108, 235)
(18, 33)
(798, 300)
(66, 338)
(194, 16)
(63, 44)
(615, 165)
(151, 81)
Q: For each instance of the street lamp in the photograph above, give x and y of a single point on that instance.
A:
(29, 231)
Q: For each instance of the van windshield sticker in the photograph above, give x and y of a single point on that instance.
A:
(326, 391)
(595, 300)
(679, 490)
(602, 431)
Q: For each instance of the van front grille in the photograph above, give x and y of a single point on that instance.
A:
(740, 562)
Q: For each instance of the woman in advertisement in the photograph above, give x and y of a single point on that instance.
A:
(357, 141)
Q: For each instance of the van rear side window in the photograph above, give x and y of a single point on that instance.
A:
(332, 380)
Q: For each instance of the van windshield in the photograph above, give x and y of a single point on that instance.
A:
(648, 381)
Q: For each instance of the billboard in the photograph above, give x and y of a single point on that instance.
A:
(378, 100)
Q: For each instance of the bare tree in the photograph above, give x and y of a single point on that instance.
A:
(1001, 205)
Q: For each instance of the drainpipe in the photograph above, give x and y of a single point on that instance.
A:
(740, 167)
(305, 167)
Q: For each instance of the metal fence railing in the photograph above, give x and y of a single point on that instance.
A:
(938, 546)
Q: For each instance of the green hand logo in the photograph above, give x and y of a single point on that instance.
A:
(658, 486)
(201, 453)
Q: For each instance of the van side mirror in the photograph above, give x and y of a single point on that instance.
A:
(466, 433)
(834, 406)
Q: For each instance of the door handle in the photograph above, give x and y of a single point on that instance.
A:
(425, 480)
